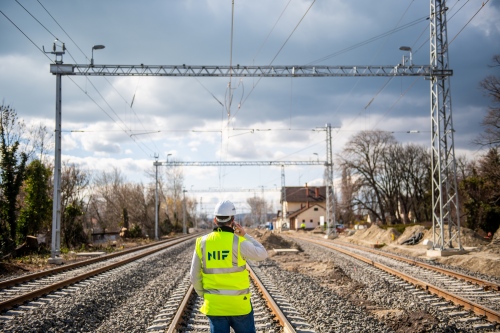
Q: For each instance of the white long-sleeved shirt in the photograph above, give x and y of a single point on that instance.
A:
(250, 249)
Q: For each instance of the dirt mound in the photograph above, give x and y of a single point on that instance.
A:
(374, 235)
(272, 241)
(410, 232)
(468, 237)
(496, 235)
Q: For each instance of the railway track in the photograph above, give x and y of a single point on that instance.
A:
(272, 310)
(474, 300)
(48, 283)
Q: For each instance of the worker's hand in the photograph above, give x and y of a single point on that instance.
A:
(238, 229)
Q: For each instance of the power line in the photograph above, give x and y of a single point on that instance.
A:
(21, 31)
(112, 86)
(281, 48)
(61, 28)
(270, 32)
(370, 40)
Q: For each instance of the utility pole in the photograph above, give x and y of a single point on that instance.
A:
(263, 210)
(283, 198)
(184, 231)
(156, 164)
(330, 197)
(59, 70)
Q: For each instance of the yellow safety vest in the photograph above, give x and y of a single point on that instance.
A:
(226, 283)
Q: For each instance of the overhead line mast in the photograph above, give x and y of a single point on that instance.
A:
(443, 165)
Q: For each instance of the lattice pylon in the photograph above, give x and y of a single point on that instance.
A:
(443, 164)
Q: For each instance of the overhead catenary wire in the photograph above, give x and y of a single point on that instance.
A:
(53, 18)
(462, 29)
(370, 40)
(473, 16)
(271, 31)
(25, 35)
(279, 51)
(102, 109)
(83, 53)
(426, 41)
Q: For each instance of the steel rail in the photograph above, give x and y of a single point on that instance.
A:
(64, 283)
(280, 316)
(179, 315)
(12, 282)
(478, 309)
(487, 285)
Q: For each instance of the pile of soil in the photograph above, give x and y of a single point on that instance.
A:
(494, 246)
(410, 232)
(377, 235)
(374, 235)
(468, 237)
(272, 241)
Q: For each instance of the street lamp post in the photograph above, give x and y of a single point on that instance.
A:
(95, 47)
(408, 49)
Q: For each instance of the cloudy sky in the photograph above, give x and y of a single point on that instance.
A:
(125, 122)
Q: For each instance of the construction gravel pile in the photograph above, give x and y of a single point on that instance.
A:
(123, 300)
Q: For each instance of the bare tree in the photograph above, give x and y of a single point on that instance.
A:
(364, 156)
(74, 188)
(346, 209)
(414, 183)
(175, 183)
(108, 201)
(258, 210)
(491, 122)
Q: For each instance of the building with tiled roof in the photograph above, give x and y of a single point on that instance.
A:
(303, 204)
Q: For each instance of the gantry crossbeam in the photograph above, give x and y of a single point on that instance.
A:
(246, 71)
(240, 163)
(220, 190)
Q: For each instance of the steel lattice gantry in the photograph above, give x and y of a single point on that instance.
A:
(444, 183)
(443, 163)
(245, 71)
(241, 163)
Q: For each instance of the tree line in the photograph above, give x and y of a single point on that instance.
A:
(391, 182)
(90, 202)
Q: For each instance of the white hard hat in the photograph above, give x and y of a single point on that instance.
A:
(225, 208)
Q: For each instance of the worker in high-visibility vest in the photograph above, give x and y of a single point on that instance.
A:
(219, 275)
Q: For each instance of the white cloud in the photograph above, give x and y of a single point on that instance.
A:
(183, 116)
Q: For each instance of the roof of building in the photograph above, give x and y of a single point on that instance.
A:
(302, 210)
(305, 193)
